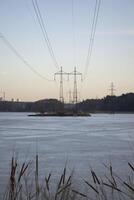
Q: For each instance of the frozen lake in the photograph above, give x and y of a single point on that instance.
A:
(81, 141)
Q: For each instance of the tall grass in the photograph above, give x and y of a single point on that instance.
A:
(25, 185)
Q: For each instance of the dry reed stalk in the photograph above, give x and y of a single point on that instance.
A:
(37, 178)
(47, 181)
(103, 189)
(79, 193)
(13, 179)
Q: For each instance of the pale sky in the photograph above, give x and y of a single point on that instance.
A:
(112, 57)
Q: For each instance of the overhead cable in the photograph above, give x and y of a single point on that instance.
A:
(44, 31)
(73, 34)
(92, 35)
(13, 49)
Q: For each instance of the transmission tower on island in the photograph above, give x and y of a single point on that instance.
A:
(75, 73)
(61, 73)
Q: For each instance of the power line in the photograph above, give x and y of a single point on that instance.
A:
(112, 89)
(73, 34)
(61, 73)
(13, 49)
(92, 35)
(69, 94)
(44, 31)
(3, 97)
(75, 92)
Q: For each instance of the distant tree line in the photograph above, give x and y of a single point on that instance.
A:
(14, 106)
(123, 103)
(46, 105)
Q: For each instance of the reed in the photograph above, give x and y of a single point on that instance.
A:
(23, 186)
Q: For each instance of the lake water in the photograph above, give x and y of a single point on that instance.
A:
(82, 142)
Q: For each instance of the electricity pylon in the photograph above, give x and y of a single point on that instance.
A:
(112, 89)
(69, 94)
(75, 92)
(61, 73)
(3, 95)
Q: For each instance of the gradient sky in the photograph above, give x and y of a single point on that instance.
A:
(112, 56)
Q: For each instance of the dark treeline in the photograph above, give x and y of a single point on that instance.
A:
(123, 103)
(46, 105)
(14, 106)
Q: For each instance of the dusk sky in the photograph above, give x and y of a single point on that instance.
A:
(68, 24)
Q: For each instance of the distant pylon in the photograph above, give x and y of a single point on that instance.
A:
(75, 74)
(69, 96)
(61, 73)
(4, 96)
(112, 88)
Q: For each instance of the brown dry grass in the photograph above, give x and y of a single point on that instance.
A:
(23, 186)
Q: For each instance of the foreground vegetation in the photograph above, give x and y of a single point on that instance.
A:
(25, 184)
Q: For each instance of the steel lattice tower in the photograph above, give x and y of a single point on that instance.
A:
(75, 92)
(61, 73)
(112, 89)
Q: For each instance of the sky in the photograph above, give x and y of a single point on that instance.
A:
(68, 25)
